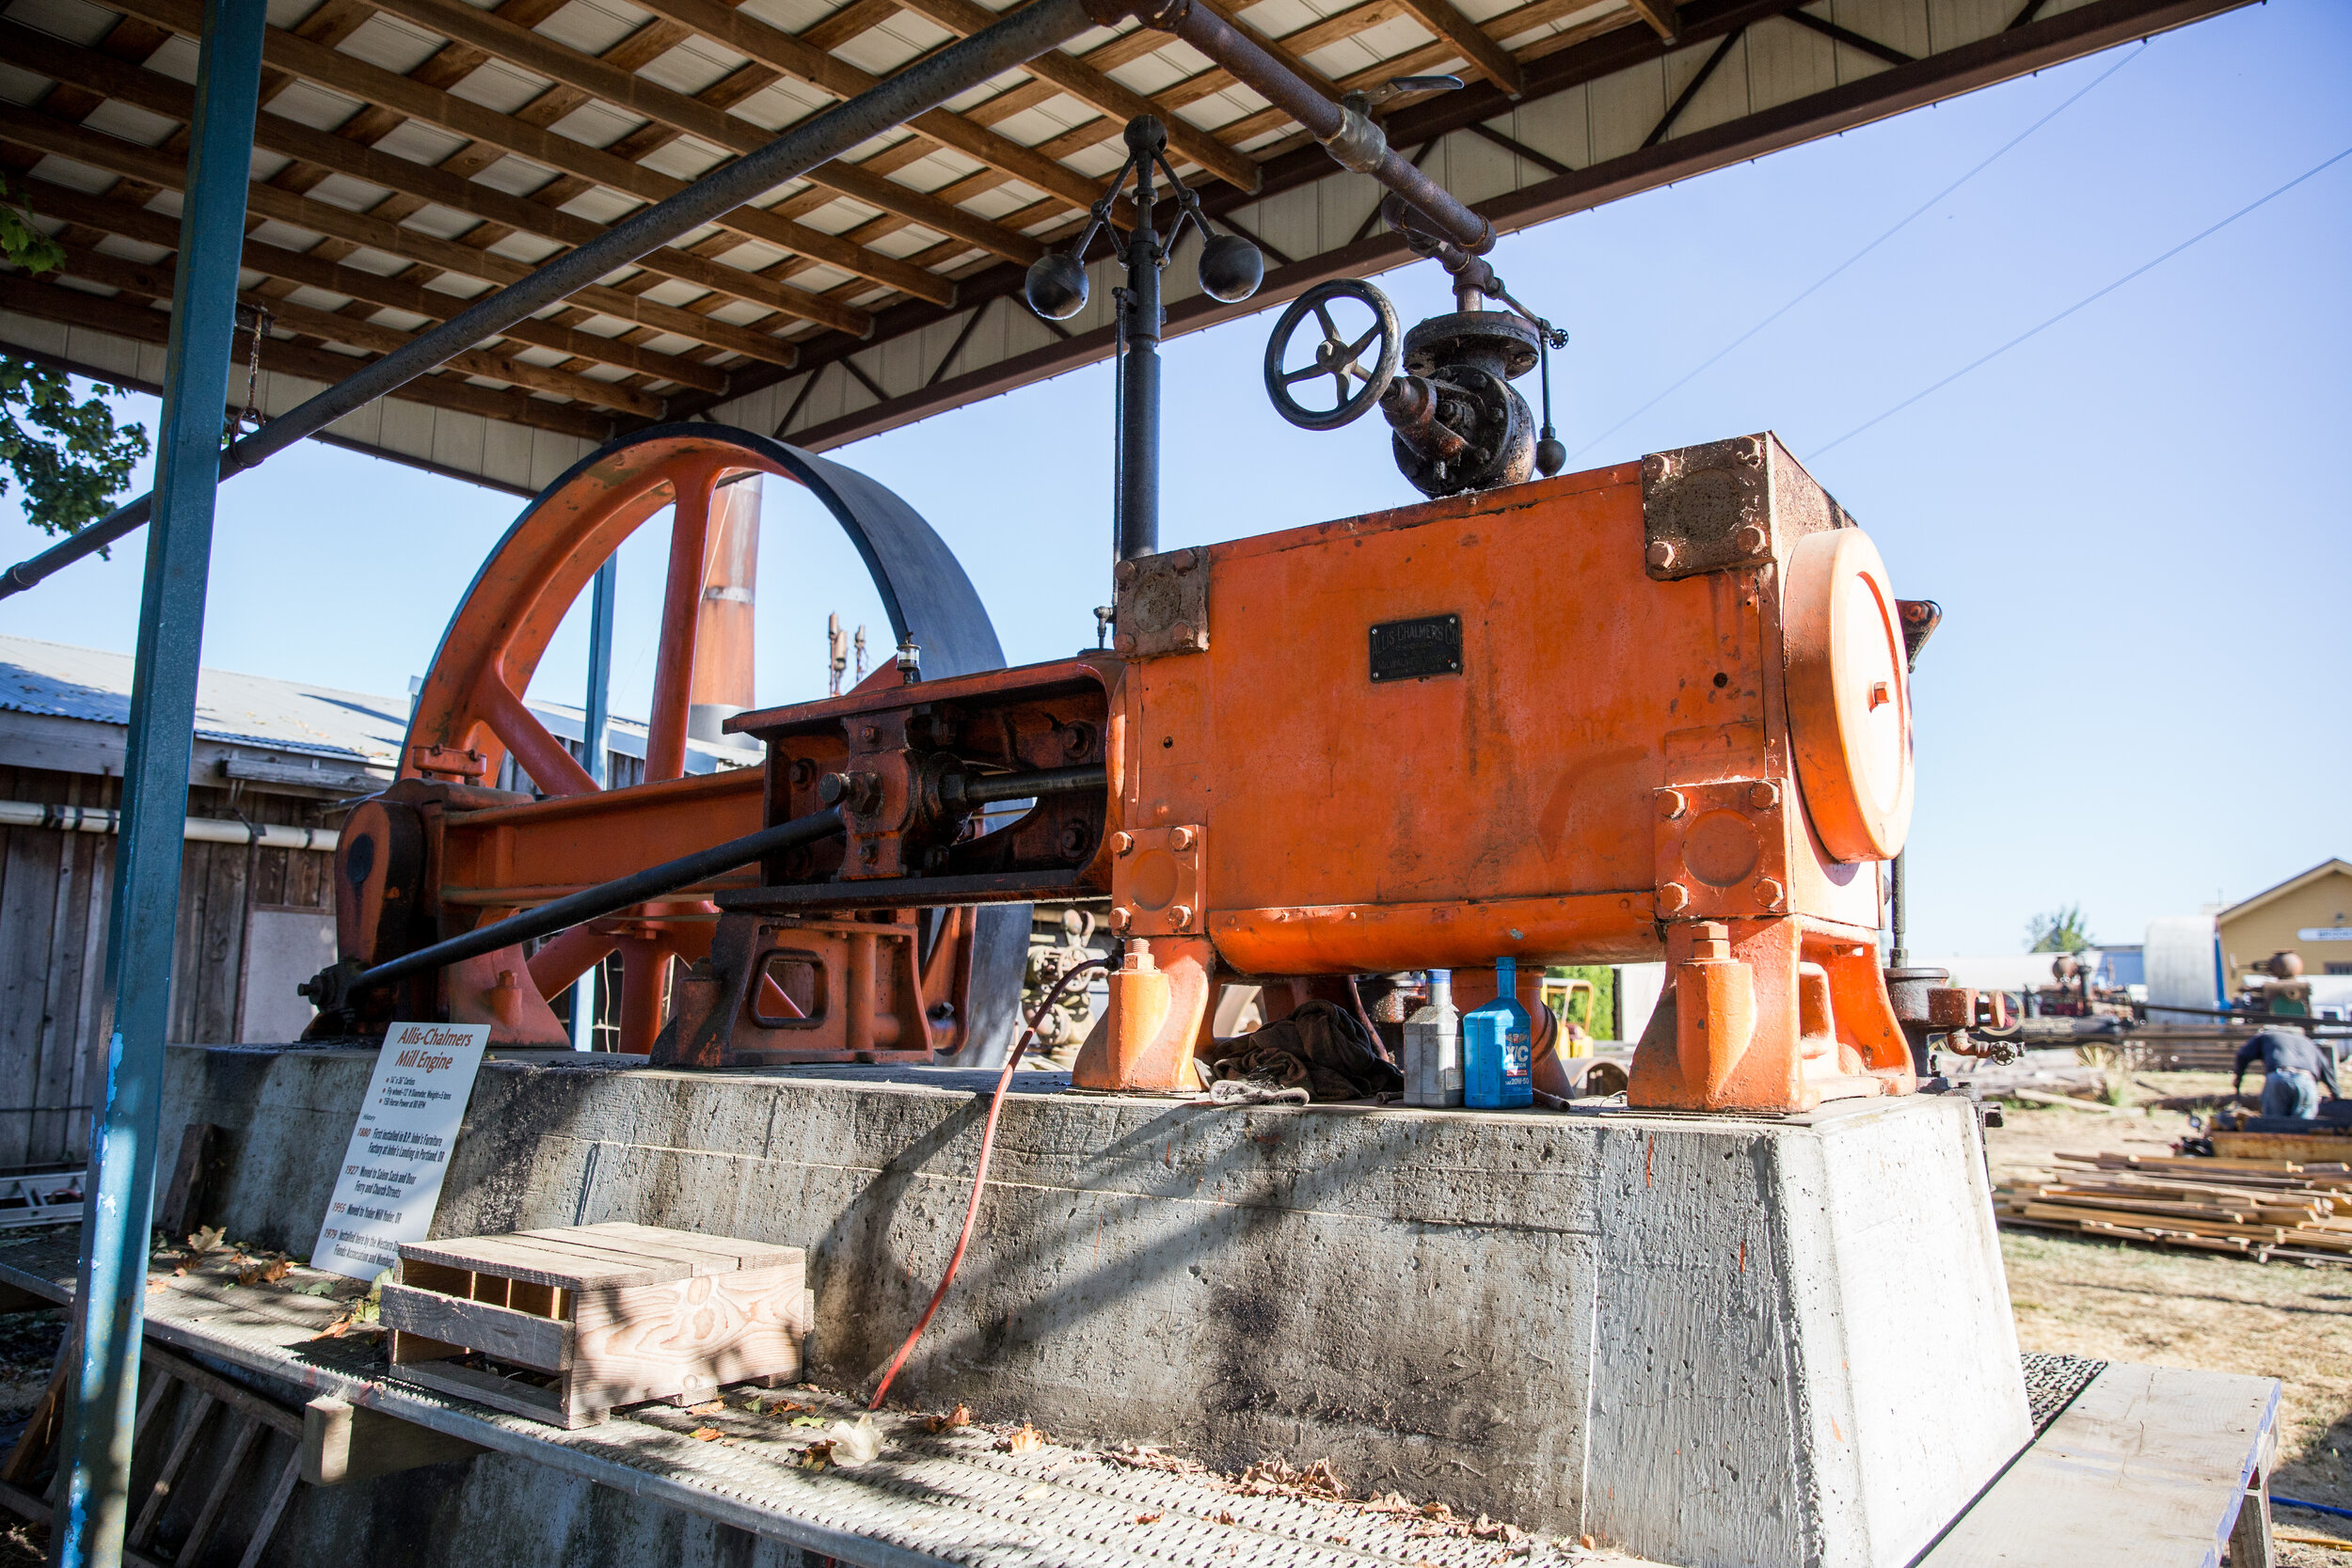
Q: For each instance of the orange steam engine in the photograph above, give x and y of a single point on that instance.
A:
(1652, 711)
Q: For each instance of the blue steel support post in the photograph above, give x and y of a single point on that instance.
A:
(112, 1287)
(599, 706)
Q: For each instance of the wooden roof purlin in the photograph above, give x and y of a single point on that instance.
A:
(414, 155)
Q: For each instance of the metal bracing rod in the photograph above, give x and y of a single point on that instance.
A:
(1023, 35)
(605, 898)
(1346, 133)
(111, 1281)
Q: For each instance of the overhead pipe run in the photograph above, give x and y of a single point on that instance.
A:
(196, 829)
(1347, 132)
(1019, 37)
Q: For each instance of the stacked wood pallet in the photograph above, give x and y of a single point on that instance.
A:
(2256, 1208)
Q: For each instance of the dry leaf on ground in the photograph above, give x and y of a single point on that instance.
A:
(205, 1240)
(1025, 1439)
(705, 1434)
(1149, 1518)
(958, 1417)
(710, 1407)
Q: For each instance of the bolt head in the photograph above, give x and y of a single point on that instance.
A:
(1660, 554)
(1182, 631)
(868, 853)
(1180, 838)
(1768, 892)
(1124, 573)
(1672, 898)
(1123, 843)
(869, 733)
(1763, 797)
(1750, 539)
(1180, 915)
(1121, 917)
(1671, 804)
(1126, 642)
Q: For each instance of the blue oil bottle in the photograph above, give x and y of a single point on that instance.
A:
(1495, 1049)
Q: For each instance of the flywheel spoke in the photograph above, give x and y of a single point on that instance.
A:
(681, 600)
(550, 765)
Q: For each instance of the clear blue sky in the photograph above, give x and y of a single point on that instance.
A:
(2130, 519)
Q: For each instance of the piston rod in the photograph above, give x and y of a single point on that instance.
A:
(1027, 32)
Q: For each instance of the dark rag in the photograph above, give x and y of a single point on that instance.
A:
(1321, 1048)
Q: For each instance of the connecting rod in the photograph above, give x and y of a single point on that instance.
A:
(1023, 35)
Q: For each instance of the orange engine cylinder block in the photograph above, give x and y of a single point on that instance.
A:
(1654, 711)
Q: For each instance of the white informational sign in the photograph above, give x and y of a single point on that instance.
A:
(390, 1181)
(2325, 933)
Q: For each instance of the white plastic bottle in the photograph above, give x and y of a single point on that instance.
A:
(1433, 1047)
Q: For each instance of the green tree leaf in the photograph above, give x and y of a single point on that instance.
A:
(66, 458)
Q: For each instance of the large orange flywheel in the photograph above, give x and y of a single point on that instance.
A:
(469, 714)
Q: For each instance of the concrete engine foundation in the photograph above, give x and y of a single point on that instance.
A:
(1700, 1338)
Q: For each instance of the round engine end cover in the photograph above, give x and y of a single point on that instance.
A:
(1848, 697)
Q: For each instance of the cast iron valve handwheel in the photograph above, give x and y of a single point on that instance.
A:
(1335, 354)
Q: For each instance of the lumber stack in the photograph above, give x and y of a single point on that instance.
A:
(2255, 1208)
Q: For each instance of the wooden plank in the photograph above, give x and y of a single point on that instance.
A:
(224, 1477)
(27, 904)
(162, 167)
(184, 1443)
(212, 1384)
(571, 1268)
(627, 1236)
(690, 1336)
(533, 1341)
(267, 1524)
(2294, 1148)
(342, 1442)
(2171, 1450)
(499, 1393)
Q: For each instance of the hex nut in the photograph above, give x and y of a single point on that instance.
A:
(1121, 917)
(1182, 631)
(1123, 843)
(1180, 916)
(1751, 539)
(1124, 573)
(870, 733)
(1671, 804)
(1768, 892)
(1673, 897)
(1126, 642)
(1763, 796)
(1660, 554)
(1180, 838)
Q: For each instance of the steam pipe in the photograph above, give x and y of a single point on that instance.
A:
(1024, 35)
(1346, 133)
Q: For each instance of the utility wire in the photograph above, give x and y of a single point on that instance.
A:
(2079, 304)
(1824, 280)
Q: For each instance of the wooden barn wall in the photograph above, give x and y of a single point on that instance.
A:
(55, 887)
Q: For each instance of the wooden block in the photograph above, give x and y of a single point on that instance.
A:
(342, 1442)
(620, 1314)
(524, 1338)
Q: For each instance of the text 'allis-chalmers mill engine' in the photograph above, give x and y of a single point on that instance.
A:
(1654, 710)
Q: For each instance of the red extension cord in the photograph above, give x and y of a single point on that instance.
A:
(980, 1175)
